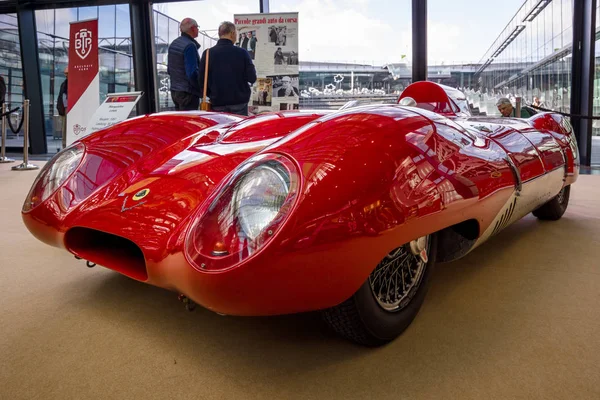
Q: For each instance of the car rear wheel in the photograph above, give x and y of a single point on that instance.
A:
(390, 298)
(555, 208)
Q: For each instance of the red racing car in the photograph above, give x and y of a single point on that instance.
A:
(345, 212)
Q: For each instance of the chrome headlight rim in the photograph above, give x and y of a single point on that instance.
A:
(80, 150)
(200, 256)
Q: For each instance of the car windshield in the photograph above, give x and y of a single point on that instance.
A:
(459, 99)
(365, 102)
(463, 106)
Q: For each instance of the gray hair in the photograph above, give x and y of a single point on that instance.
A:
(503, 100)
(187, 24)
(226, 28)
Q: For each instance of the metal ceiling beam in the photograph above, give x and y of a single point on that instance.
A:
(536, 10)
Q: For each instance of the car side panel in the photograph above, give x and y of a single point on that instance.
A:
(549, 149)
(523, 153)
(560, 128)
(372, 180)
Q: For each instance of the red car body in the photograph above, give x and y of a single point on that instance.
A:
(368, 179)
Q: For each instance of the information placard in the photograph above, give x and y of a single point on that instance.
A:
(116, 108)
(272, 42)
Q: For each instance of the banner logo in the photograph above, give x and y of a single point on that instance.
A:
(77, 129)
(83, 43)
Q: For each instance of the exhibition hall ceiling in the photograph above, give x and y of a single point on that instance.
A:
(10, 6)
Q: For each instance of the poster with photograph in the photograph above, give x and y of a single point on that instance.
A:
(286, 93)
(272, 42)
(247, 41)
(263, 95)
(285, 86)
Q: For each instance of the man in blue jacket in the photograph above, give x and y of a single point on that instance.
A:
(183, 67)
(230, 73)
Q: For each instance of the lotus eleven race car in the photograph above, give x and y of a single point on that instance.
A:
(345, 212)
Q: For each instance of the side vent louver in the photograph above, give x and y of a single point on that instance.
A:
(506, 217)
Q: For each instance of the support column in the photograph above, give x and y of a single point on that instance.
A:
(33, 82)
(582, 90)
(419, 40)
(264, 6)
(144, 55)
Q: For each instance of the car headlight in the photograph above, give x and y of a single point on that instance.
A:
(259, 197)
(245, 214)
(53, 175)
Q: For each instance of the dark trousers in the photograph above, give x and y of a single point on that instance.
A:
(238, 109)
(185, 101)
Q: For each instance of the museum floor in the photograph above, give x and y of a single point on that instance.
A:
(518, 318)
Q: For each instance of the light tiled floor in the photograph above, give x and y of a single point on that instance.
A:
(516, 319)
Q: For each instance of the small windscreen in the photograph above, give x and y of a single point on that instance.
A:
(437, 98)
(437, 107)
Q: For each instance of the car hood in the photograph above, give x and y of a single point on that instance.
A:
(146, 187)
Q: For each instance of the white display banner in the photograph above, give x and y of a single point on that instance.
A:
(272, 42)
(116, 108)
(78, 116)
(84, 78)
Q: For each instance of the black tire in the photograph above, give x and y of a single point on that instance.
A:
(363, 320)
(555, 208)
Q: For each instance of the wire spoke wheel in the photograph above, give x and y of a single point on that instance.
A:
(561, 196)
(397, 277)
(390, 297)
(554, 209)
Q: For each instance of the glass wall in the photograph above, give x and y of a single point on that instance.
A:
(115, 56)
(530, 59)
(208, 13)
(11, 70)
(10, 58)
(596, 123)
(165, 31)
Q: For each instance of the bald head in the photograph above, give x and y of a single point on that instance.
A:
(227, 31)
(189, 26)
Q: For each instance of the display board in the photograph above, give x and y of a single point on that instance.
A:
(272, 42)
(115, 108)
(84, 78)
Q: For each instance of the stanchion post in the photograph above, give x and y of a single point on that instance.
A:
(25, 166)
(3, 158)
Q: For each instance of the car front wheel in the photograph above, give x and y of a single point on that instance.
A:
(555, 208)
(390, 298)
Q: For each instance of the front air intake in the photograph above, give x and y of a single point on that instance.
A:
(107, 250)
